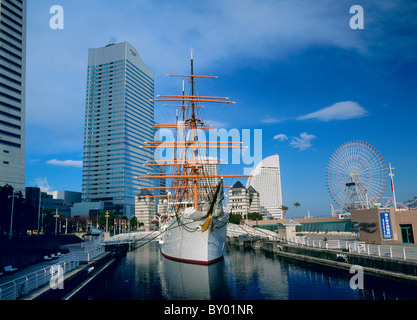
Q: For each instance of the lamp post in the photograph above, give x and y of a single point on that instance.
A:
(392, 185)
(107, 220)
(11, 215)
(39, 210)
(56, 221)
(43, 215)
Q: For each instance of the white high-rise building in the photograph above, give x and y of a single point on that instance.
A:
(119, 116)
(12, 93)
(266, 179)
(210, 167)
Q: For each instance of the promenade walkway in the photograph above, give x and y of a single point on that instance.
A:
(23, 281)
(20, 283)
(351, 243)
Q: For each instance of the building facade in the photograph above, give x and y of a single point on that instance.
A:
(243, 201)
(386, 226)
(266, 179)
(315, 225)
(39, 201)
(69, 197)
(119, 116)
(238, 200)
(12, 93)
(254, 201)
(145, 209)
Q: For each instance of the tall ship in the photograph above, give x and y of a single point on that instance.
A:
(194, 227)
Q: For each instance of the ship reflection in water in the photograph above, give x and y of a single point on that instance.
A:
(144, 274)
(190, 281)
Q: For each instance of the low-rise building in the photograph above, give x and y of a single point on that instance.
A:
(145, 209)
(386, 225)
(243, 200)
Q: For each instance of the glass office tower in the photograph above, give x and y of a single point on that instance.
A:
(12, 93)
(119, 116)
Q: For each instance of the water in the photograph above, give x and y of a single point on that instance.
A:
(244, 274)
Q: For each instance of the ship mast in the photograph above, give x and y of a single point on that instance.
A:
(194, 168)
(192, 86)
(187, 172)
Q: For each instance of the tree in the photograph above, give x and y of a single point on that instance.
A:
(23, 218)
(80, 223)
(296, 204)
(133, 222)
(102, 219)
(255, 216)
(285, 209)
(235, 218)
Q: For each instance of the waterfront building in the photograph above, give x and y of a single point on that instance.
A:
(386, 225)
(93, 209)
(210, 167)
(119, 116)
(243, 201)
(47, 201)
(266, 179)
(145, 208)
(12, 93)
(254, 201)
(162, 208)
(238, 200)
(324, 224)
(69, 197)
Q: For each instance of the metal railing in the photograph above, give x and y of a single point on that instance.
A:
(132, 237)
(88, 250)
(234, 230)
(23, 285)
(394, 251)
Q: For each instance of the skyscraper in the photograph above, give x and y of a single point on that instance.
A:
(266, 179)
(12, 93)
(119, 116)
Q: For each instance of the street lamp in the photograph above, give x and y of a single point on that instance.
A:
(43, 215)
(11, 215)
(56, 220)
(107, 220)
(39, 209)
(392, 185)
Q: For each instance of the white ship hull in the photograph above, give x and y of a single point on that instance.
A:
(183, 240)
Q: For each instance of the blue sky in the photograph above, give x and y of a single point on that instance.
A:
(295, 69)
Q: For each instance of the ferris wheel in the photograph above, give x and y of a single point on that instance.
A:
(356, 176)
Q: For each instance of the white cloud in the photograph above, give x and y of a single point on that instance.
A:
(281, 137)
(66, 163)
(303, 142)
(216, 124)
(42, 183)
(344, 110)
(270, 120)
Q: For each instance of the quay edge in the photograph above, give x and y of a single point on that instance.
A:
(75, 281)
(385, 267)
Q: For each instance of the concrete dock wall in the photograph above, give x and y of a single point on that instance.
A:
(378, 266)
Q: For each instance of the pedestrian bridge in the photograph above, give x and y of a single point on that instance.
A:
(233, 230)
(132, 237)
